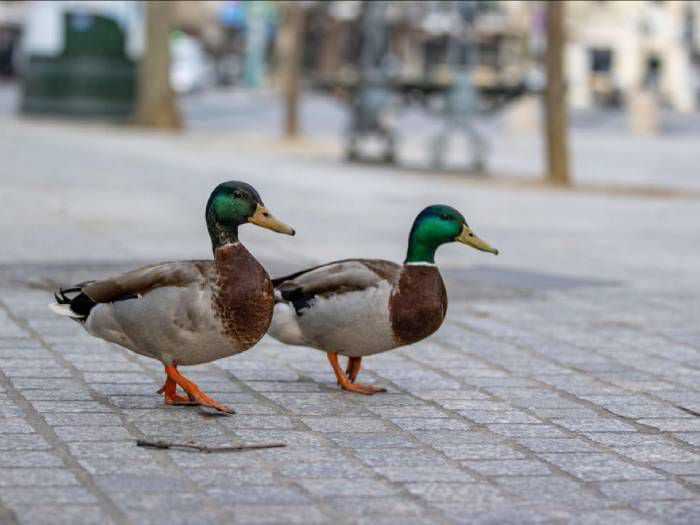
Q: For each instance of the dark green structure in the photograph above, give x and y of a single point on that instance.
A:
(91, 77)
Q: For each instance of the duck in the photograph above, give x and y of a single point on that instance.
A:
(361, 307)
(187, 312)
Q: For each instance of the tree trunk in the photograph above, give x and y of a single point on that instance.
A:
(555, 97)
(290, 49)
(156, 105)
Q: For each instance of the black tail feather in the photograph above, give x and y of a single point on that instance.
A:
(81, 304)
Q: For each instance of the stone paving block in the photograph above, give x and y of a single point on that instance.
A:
(552, 490)
(345, 424)
(329, 488)
(42, 383)
(363, 440)
(599, 467)
(254, 421)
(228, 477)
(388, 399)
(295, 438)
(475, 493)
(509, 467)
(692, 467)
(27, 458)
(398, 457)
(57, 395)
(516, 430)
(253, 408)
(284, 386)
(553, 445)
(190, 459)
(184, 430)
(373, 507)
(36, 477)
(673, 425)
(291, 514)
(646, 490)
(692, 438)
(565, 413)
(512, 514)
(325, 470)
(260, 495)
(61, 515)
(127, 378)
(108, 466)
(429, 423)
(616, 516)
(23, 442)
(117, 450)
(10, 410)
(676, 512)
(440, 438)
(398, 520)
(14, 425)
(595, 425)
(78, 407)
(652, 454)
(425, 474)
(441, 396)
(649, 411)
(139, 483)
(310, 454)
(77, 419)
(77, 495)
(480, 451)
(629, 439)
(42, 372)
(499, 417)
(391, 412)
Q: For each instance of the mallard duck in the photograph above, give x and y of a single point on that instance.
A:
(187, 312)
(361, 307)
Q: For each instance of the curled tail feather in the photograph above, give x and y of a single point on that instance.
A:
(77, 307)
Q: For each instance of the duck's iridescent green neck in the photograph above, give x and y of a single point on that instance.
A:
(420, 252)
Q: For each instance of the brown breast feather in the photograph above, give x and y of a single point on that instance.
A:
(418, 303)
(243, 297)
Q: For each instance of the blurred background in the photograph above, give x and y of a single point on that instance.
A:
(527, 115)
(435, 84)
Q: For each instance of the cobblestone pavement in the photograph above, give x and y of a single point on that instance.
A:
(563, 387)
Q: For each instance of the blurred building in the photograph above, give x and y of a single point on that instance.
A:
(618, 48)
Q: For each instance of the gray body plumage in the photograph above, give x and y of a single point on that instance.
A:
(171, 324)
(340, 307)
(168, 311)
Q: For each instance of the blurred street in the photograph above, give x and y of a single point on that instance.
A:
(563, 387)
(605, 153)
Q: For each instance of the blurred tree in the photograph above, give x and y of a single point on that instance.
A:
(555, 97)
(156, 105)
(289, 49)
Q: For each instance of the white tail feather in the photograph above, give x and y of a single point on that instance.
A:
(64, 309)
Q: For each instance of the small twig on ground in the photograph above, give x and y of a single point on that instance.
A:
(206, 448)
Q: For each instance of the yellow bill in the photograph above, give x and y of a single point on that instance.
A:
(469, 238)
(263, 218)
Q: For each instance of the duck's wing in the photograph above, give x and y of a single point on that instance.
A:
(84, 296)
(335, 278)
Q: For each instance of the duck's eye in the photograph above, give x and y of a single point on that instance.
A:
(445, 217)
(237, 194)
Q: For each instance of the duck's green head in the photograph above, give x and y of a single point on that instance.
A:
(234, 203)
(437, 225)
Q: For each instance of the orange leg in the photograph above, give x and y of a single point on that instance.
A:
(171, 397)
(354, 364)
(345, 383)
(193, 391)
